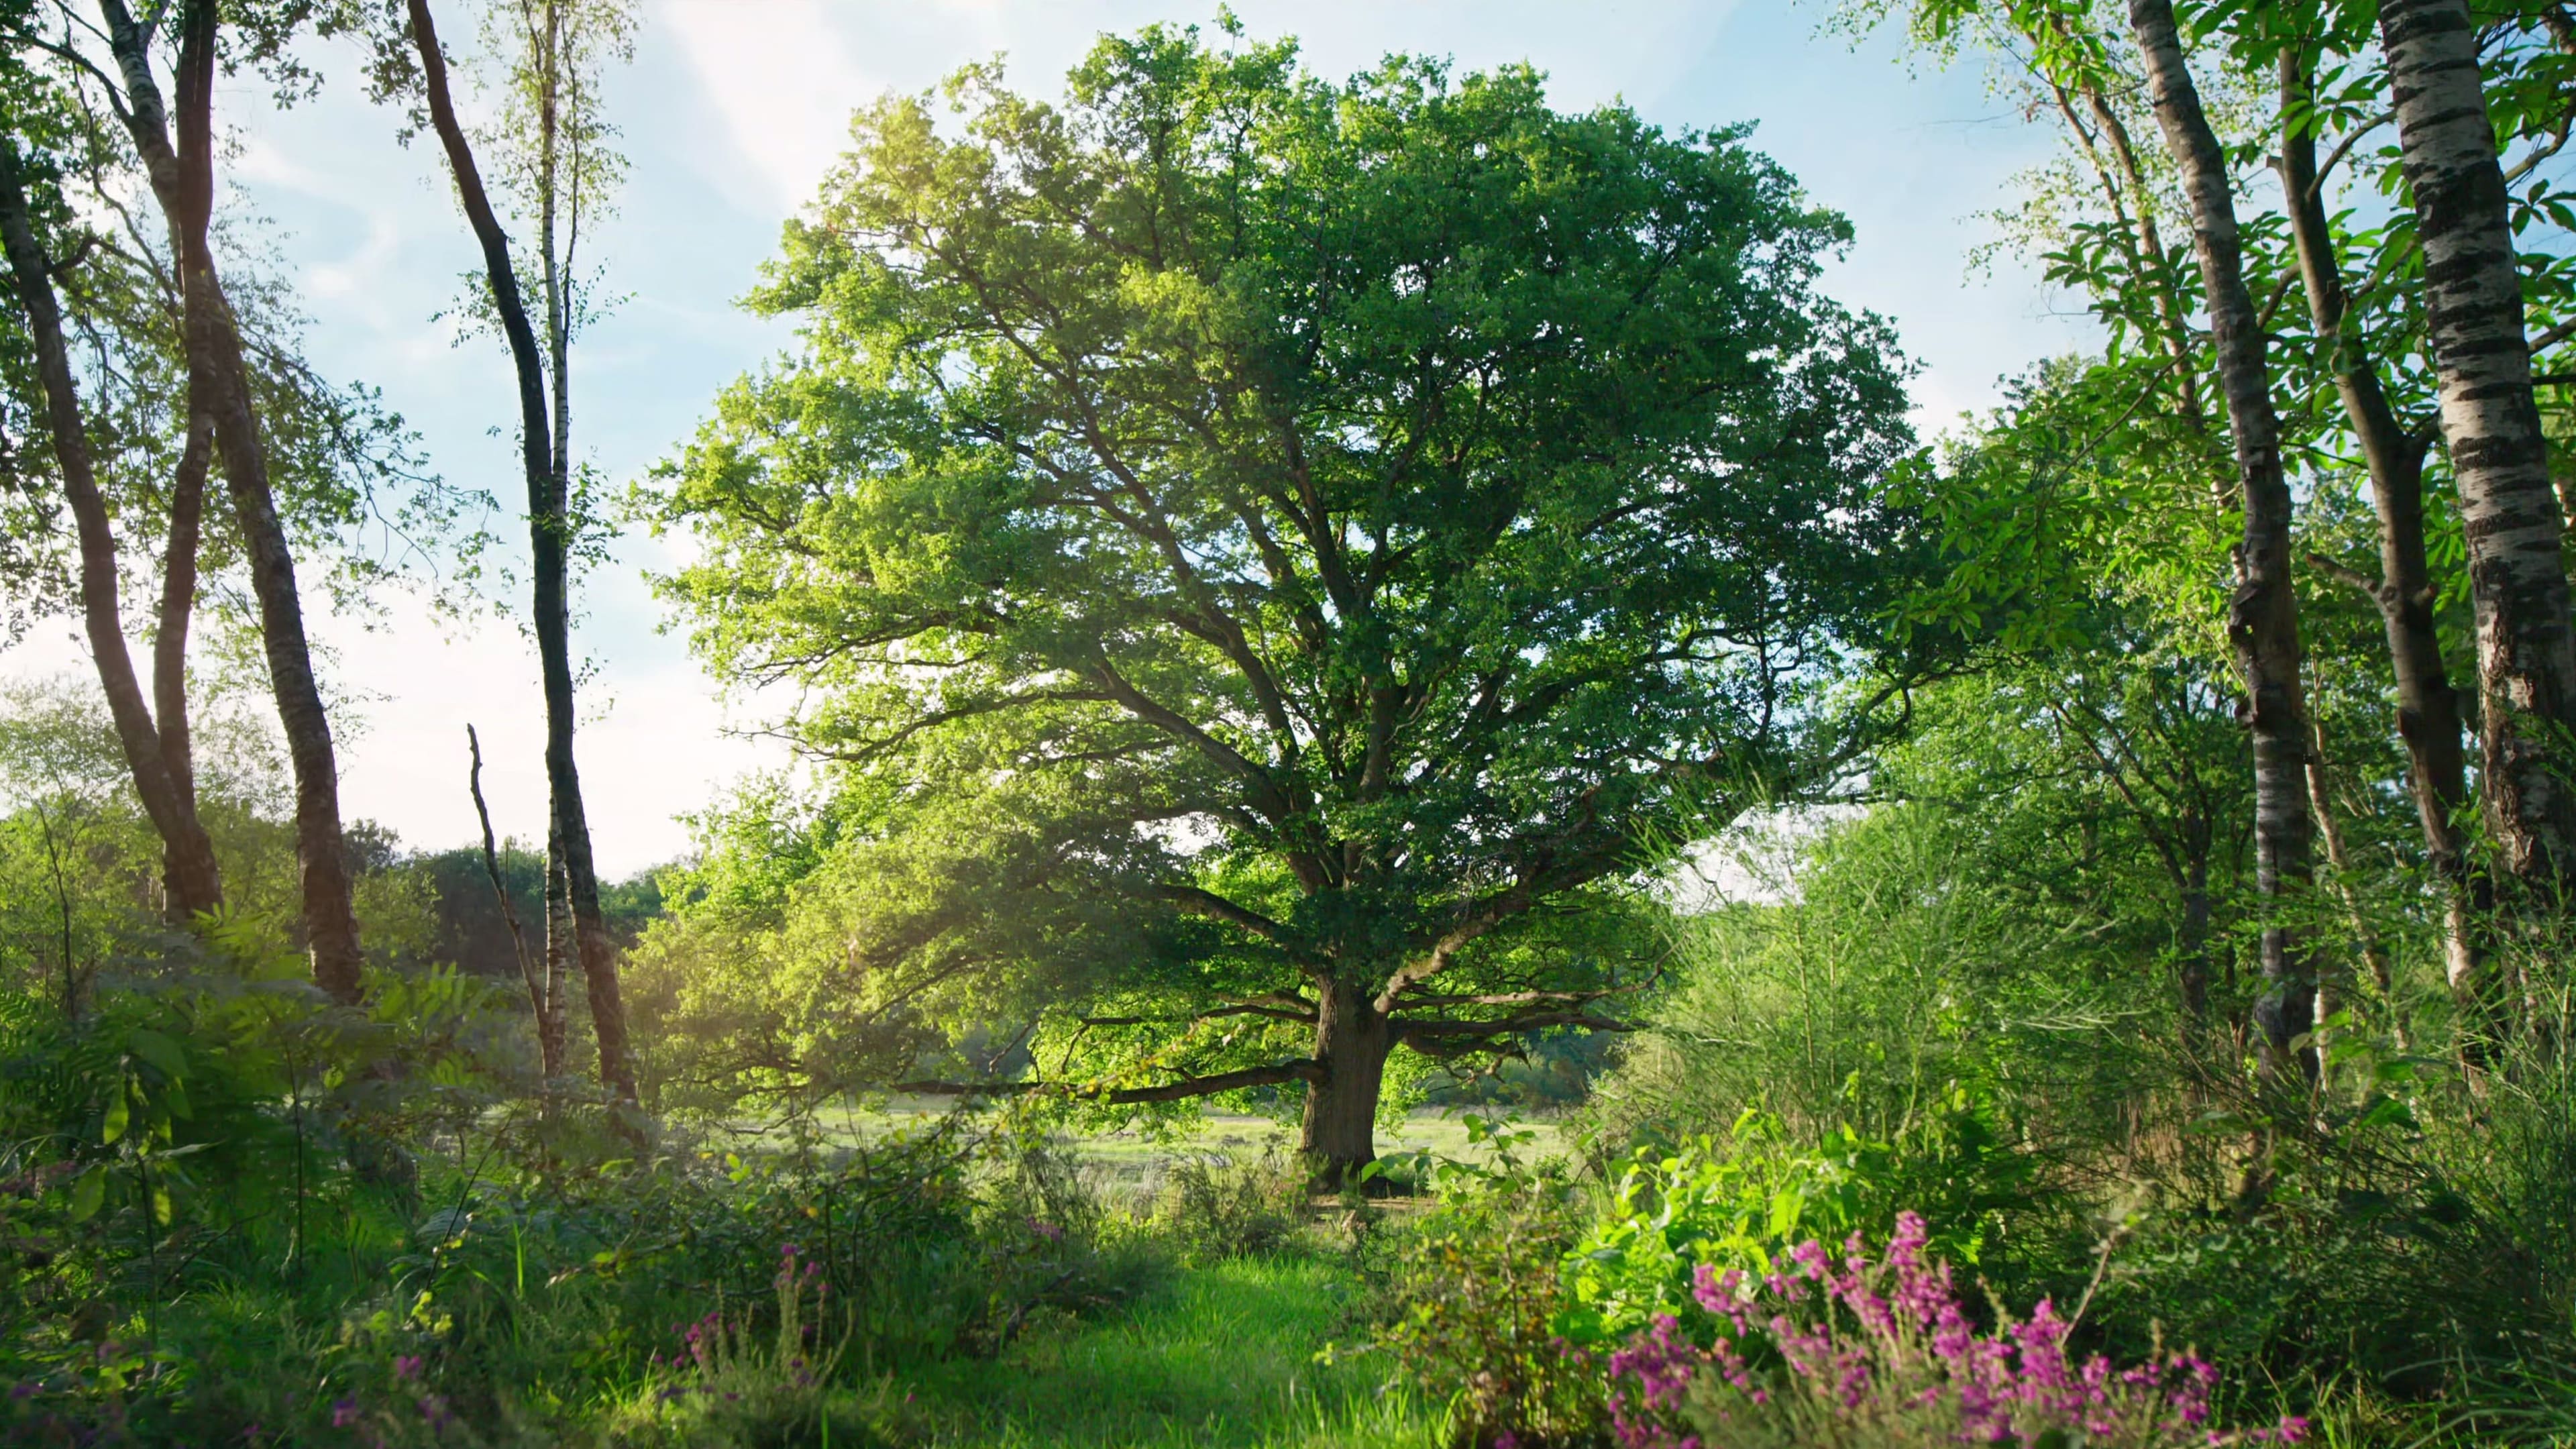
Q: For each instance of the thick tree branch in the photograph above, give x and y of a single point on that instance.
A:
(1237, 1008)
(1193, 901)
(1509, 1026)
(1187, 1087)
(1518, 998)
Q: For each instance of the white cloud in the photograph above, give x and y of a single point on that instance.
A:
(782, 81)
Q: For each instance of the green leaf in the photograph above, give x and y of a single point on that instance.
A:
(118, 1116)
(89, 1192)
(164, 1055)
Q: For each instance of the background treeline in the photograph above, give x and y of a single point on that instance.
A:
(83, 866)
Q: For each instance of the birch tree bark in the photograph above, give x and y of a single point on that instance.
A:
(2262, 620)
(2482, 363)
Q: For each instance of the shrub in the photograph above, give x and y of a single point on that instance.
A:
(1742, 1202)
(1216, 1205)
(1473, 1297)
(732, 1384)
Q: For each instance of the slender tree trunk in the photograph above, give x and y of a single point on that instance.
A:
(178, 609)
(219, 386)
(193, 882)
(549, 537)
(2428, 708)
(2263, 620)
(2509, 512)
(1352, 1039)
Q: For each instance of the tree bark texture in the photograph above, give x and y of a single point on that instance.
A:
(2428, 708)
(2482, 363)
(2263, 620)
(193, 882)
(1338, 1136)
(2195, 949)
(542, 446)
(182, 179)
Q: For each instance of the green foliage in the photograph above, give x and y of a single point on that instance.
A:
(350, 486)
(1476, 1297)
(1228, 520)
(1215, 1206)
(1743, 1202)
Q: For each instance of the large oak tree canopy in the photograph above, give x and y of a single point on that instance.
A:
(1266, 553)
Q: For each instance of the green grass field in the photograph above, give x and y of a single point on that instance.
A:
(1132, 1158)
(1221, 1357)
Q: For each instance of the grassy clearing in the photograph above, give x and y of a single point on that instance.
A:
(1222, 1357)
(1134, 1158)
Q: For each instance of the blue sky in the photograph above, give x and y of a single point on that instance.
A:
(731, 112)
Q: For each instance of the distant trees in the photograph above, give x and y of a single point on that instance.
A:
(1275, 561)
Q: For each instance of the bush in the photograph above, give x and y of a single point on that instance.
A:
(1476, 1293)
(1742, 1202)
(1218, 1205)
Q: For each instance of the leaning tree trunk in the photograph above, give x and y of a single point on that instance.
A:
(1352, 1038)
(219, 387)
(193, 882)
(549, 542)
(2263, 619)
(2482, 363)
(2428, 708)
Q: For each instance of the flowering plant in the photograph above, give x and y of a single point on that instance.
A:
(1882, 1355)
(728, 1374)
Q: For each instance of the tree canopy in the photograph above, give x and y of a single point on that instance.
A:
(1274, 547)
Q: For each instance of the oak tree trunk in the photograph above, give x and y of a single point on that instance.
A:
(182, 179)
(193, 883)
(2428, 708)
(2482, 363)
(2263, 620)
(1352, 1039)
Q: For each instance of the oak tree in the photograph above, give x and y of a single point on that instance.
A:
(1270, 560)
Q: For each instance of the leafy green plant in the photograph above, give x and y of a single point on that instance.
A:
(1743, 1201)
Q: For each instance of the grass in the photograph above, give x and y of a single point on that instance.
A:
(1218, 1358)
